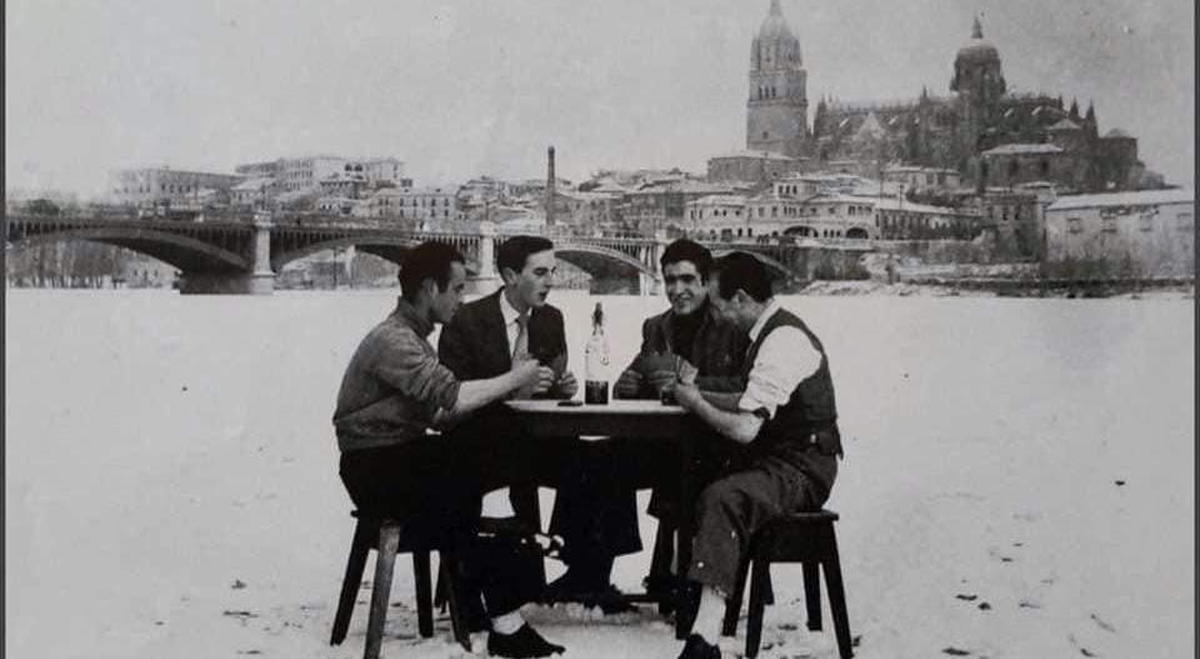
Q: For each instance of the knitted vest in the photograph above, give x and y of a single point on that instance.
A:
(810, 415)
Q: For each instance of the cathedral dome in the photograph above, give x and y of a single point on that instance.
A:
(978, 49)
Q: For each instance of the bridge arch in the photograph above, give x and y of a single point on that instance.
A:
(565, 250)
(183, 252)
(389, 248)
(772, 264)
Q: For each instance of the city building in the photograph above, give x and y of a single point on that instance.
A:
(915, 177)
(959, 132)
(899, 219)
(174, 188)
(1148, 233)
(660, 205)
(255, 192)
(413, 204)
(758, 166)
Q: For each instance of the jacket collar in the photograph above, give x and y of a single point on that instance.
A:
(407, 314)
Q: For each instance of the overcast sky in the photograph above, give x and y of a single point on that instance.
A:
(460, 88)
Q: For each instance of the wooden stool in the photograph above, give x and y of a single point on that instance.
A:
(387, 537)
(805, 538)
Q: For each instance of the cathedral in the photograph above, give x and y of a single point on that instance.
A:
(992, 137)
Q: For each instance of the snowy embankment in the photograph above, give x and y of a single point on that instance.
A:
(1018, 480)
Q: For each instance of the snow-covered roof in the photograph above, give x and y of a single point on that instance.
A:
(757, 155)
(721, 200)
(897, 204)
(1130, 198)
(254, 184)
(1117, 132)
(1022, 149)
(1065, 124)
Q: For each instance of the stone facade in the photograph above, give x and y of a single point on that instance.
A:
(942, 132)
(1143, 234)
(777, 108)
(162, 186)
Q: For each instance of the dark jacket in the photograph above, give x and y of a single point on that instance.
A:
(716, 352)
(393, 385)
(474, 344)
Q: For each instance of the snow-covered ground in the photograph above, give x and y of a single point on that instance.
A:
(1018, 479)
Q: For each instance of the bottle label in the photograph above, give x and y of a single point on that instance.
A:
(595, 392)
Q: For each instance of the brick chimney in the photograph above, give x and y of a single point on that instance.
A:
(550, 184)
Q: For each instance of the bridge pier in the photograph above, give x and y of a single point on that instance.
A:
(488, 279)
(259, 281)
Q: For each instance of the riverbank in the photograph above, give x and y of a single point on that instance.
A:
(1018, 479)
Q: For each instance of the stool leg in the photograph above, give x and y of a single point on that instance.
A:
(733, 606)
(759, 582)
(812, 594)
(449, 568)
(360, 546)
(660, 564)
(424, 603)
(837, 597)
(440, 600)
(385, 560)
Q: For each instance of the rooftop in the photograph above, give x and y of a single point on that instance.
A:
(1130, 198)
(1022, 149)
(757, 155)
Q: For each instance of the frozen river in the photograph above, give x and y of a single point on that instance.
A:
(1033, 454)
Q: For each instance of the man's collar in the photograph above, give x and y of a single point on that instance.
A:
(509, 313)
(408, 314)
(771, 308)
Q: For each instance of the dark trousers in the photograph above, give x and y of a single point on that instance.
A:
(435, 489)
(595, 507)
(598, 504)
(732, 508)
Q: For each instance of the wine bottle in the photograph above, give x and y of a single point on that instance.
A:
(596, 362)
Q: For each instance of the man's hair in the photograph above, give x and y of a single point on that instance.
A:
(514, 251)
(429, 260)
(688, 250)
(741, 270)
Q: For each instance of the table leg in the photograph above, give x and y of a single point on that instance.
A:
(684, 533)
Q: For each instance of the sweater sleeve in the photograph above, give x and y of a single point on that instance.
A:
(409, 364)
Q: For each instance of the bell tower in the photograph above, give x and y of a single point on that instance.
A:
(777, 108)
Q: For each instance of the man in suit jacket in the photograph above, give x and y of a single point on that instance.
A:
(483, 338)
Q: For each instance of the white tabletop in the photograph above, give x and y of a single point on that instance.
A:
(614, 407)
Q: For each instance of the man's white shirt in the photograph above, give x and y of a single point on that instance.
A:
(786, 358)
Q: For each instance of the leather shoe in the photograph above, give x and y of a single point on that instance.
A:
(525, 642)
(697, 648)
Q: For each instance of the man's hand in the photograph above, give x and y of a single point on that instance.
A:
(528, 373)
(662, 381)
(545, 380)
(688, 396)
(567, 384)
(628, 385)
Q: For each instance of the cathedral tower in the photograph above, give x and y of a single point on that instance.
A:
(980, 86)
(777, 109)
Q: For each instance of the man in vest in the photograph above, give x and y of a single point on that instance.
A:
(784, 426)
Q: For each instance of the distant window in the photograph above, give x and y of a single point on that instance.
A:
(1109, 225)
(1145, 222)
(764, 135)
(1183, 221)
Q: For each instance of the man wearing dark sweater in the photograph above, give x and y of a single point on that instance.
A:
(393, 391)
(784, 433)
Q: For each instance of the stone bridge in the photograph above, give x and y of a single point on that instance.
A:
(241, 254)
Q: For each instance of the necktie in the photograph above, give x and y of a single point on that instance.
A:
(521, 351)
(521, 345)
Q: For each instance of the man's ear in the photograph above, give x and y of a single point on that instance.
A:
(430, 287)
(507, 275)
